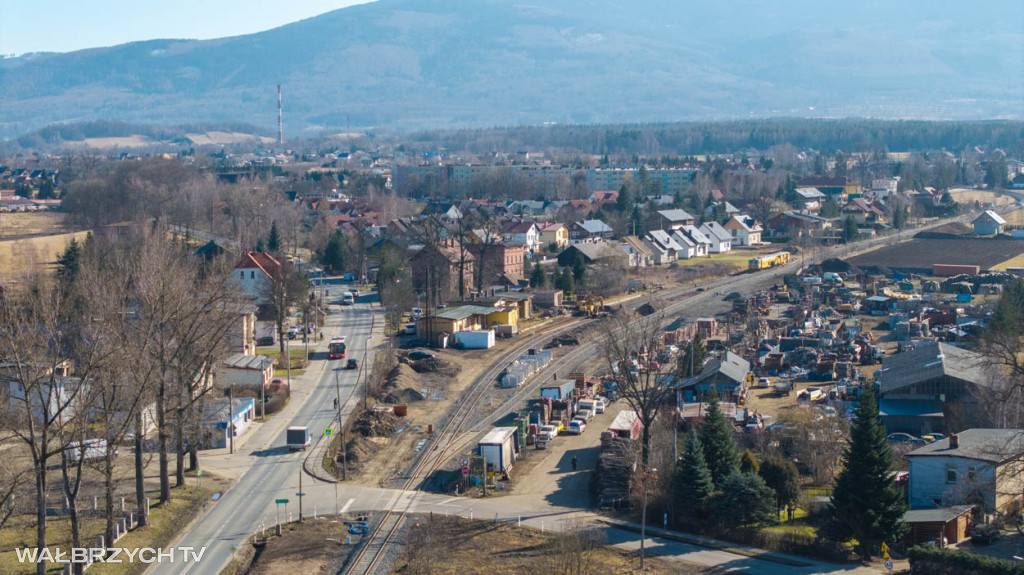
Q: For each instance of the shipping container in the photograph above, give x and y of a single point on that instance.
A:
(954, 270)
(558, 389)
(483, 339)
(499, 448)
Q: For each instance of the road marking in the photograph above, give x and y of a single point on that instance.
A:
(348, 504)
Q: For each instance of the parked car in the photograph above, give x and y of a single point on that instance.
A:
(585, 414)
(549, 431)
(352, 363)
(576, 426)
(599, 405)
(293, 332)
(265, 340)
(355, 292)
(984, 535)
(933, 437)
(417, 355)
(900, 437)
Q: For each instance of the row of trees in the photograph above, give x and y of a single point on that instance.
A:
(123, 340)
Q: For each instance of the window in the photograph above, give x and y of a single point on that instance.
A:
(951, 473)
(241, 275)
(972, 472)
(252, 275)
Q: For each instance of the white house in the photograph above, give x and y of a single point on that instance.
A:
(989, 223)
(745, 230)
(254, 272)
(224, 416)
(976, 465)
(669, 244)
(694, 234)
(248, 370)
(522, 234)
(720, 238)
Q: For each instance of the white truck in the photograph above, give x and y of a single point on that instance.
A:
(297, 438)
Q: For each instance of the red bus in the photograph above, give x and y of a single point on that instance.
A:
(336, 349)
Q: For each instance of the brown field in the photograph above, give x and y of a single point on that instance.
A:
(963, 195)
(922, 253)
(1014, 218)
(24, 224)
(18, 257)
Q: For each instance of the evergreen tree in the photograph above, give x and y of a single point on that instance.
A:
(46, 189)
(565, 281)
(333, 257)
(579, 267)
(69, 262)
(748, 462)
(624, 203)
(866, 504)
(830, 209)
(692, 485)
(850, 230)
(742, 499)
(899, 217)
(716, 437)
(637, 227)
(782, 476)
(259, 244)
(273, 240)
(691, 360)
(537, 276)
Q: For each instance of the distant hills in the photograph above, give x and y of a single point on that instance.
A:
(413, 64)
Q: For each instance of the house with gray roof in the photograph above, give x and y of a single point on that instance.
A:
(922, 388)
(977, 466)
(675, 218)
(589, 231)
(725, 375)
(591, 253)
(695, 237)
(720, 238)
(989, 223)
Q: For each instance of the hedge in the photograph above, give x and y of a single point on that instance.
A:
(953, 562)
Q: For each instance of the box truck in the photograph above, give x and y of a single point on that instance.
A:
(297, 438)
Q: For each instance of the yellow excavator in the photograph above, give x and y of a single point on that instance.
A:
(590, 306)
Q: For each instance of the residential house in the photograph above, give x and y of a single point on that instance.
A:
(725, 375)
(720, 238)
(500, 263)
(522, 233)
(933, 387)
(589, 231)
(745, 230)
(976, 466)
(675, 219)
(639, 253)
(839, 188)
(554, 233)
(697, 237)
(444, 269)
(673, 248)
(727, 208)
(254, 273)
(223, 417)
(603, 198)
(809, 200)
(798, 224)
(246, 370)
(661, 200)
(882, 188)
(989, 223)
(601, 252)
(242, 335)
(864, 212)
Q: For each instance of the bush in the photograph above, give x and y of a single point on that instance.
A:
(953, 562)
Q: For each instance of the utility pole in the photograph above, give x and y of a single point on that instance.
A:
(485, 475)
(231, 419)
(341, 426)
(300, 494)
(643, 516)
(288, 361)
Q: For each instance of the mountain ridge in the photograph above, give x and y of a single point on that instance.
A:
(407, 64)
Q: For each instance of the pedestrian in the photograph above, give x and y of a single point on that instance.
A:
(321, 336)
(335, 403)
(574, 462)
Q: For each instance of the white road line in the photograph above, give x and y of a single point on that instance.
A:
(348, 504)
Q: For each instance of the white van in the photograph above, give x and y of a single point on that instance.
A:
(347, 298)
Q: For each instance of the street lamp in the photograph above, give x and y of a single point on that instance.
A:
(646, 476)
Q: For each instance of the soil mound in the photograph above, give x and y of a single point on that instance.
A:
(375, 424)
(406, 395)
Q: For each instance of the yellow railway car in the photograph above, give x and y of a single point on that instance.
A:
(769, 261)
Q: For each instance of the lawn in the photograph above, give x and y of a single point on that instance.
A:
(296, 353)
(165, 522)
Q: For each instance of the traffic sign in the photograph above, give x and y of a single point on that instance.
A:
(465, 463)
(886, 555)
(465, 470)
(888, 564)
(199, 473)
(300, 494)
(885, 548)
(328, 432)
(281, 501)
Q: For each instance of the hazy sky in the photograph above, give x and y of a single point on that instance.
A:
(66, 25)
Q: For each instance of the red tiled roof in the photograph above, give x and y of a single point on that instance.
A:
(264, 261)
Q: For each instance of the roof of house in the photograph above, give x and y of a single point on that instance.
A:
(694, 233)
(463, 311)
(624, 421)
(595, 226)
(244, 361)
(812, 218)
(929, 361)
(863, 205)
(809, 193)
(637, 245)
(598, 251)
(937, 515)
(550, 227)
(729, 364)
(745, 223)
(675, 215)
(605, 195)
(666, 241)
(715, 229)
(992, 445)
(992, 216)
(515, 227)
(262, 260)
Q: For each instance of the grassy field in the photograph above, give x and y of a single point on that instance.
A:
(296, 353)
(165, 522)
(22, 256)
(963, 195)
(1014, 218)
(24, 224)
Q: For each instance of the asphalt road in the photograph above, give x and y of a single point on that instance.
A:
(273, 472)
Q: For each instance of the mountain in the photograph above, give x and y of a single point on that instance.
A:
(412, 64)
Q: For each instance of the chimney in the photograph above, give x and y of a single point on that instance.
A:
(954, 441)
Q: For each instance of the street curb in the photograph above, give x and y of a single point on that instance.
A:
(708, 544)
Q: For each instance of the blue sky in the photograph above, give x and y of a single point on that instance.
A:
(67, 25)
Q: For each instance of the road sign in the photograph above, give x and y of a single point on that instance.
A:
(199, 473)
(328, 432)
(281, 501)
(465, 470)
(300, 494)
(888, 564)
(465, 463)
(885, 555)
(885, 548)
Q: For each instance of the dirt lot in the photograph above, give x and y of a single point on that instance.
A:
(310, 547)
(471, 547)
(25, 224)
(984, 196)
(920, 254)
